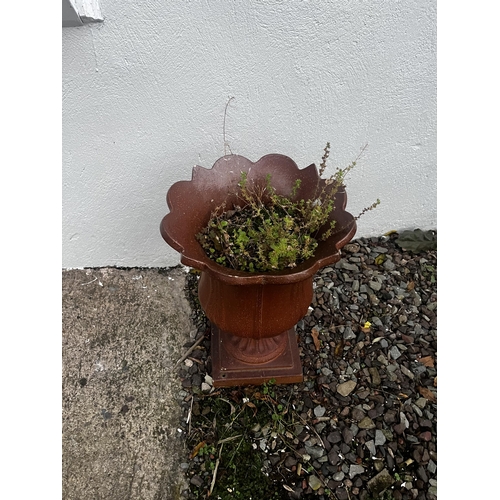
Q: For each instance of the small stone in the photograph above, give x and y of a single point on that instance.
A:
(422, 474)
(357, 414)
(366, 423)
(431, 467)
(352, 247)
(374, 374)
(314, 482)
(371, 447)
(404, 420)
(426, 436)
(205, 387)
(399, 428)
(346, 388)
(380, 482)
(319, 411)
(333, 457)
(394, 352)
(341, 493)
(375, 285)
(389, 265)
(196, 480)
(407, 372)
(349, 334)
(339, 476)
(421, 402)
(390, 416)
(334, 437)
(209, 380)
(348, 435)
(315, 452)
(380, 439)
(354, 470)
(349, 267)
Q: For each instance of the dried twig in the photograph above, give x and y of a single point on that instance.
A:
(232, 438)
(190, 350)
(313, 429)
(189, 416)
(88, 283)
(215, 470)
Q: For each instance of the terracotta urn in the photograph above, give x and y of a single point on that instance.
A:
(252, 315)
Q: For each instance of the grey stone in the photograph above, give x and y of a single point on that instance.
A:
(389, 265)
(333, 457)
(196, 480)
(349, 334)
(346, 388)
(407, 372)
(347, 434)
(339, 476)
(394, 352)
(334, 437)
(355, 469)
(371, 447)
(380, 438)
(315, 451)
(349, 267)
(404, 420)
(319, 411)
(375, 285)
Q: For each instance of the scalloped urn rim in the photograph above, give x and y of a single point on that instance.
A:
(191, 203)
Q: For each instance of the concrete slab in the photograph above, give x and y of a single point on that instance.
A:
(123, 331)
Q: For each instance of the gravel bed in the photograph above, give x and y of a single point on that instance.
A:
(362, 425)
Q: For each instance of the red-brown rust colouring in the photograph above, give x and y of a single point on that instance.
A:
(252, 307)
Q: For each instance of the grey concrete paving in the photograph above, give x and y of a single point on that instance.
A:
(123, 331)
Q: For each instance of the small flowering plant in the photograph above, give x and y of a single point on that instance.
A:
(267, 230)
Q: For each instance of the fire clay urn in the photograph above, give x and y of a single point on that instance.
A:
(252, 314)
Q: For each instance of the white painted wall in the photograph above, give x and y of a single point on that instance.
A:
(144, 94)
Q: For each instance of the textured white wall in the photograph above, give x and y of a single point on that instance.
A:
(144, 95)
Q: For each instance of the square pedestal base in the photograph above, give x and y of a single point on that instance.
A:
(230, 372)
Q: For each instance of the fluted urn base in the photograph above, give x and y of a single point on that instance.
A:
(244, 361)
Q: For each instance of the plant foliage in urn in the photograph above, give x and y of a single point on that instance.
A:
(267, 231)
